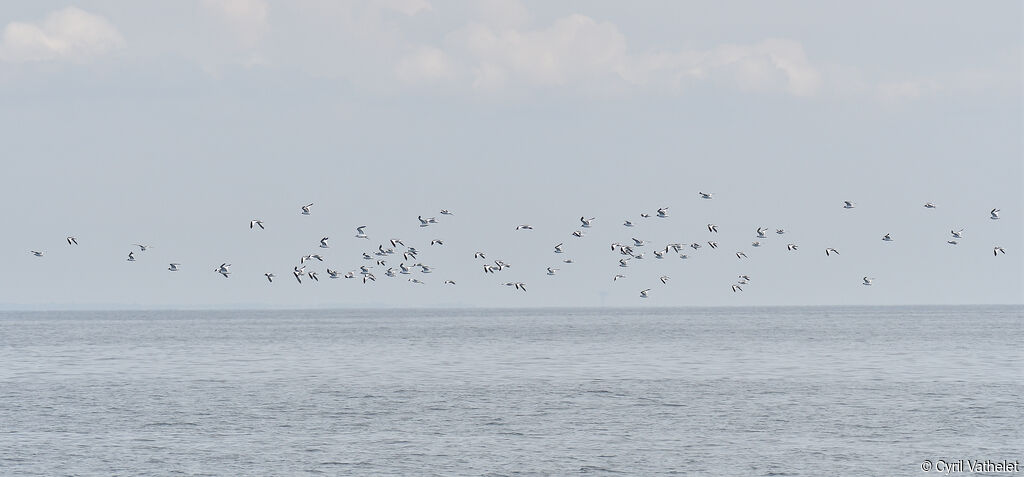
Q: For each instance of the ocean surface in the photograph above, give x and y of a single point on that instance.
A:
(728, 391)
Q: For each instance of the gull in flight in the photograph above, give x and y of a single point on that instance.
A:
(449, 282)
(446, 212)
(131, 256)
(586, 221)
(957, 233)
(780, 231)
(952, 242)
(224, 269)
(736, 288)
(299, 272)
(790, 246)
(333, 273)
(713, 244)
(305, 209)
(663, 212)
(72, 240)
(270, 277)
(867, 281)
(436, 242)
(623, 263)
(551, 271)
(524, 227)
(712, 228)
(323, 242)
(578, 233)
(568, 260)
(255, 222)
(847, 204)
(616, 277)
(887, 238)
(664, 279)
(36, 253)
(705, 195)
(659, 254)
(637, 242)
(479, 255)
(997, 250)
(830, 250)
(695, 245)
(929, 205)
(627, 223)
(142, 248)
(415, 280)
(360, 233)
(755, 244)
(558, 248)
(426, 221)
(643, 293)
(994, 214)
(174, 267)
(741, 255)
(760, 232)
(645, 216)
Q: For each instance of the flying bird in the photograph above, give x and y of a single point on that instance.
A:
(664, 279)
(551, 271)
(705, 195)
(627, 223)
(867, 281)
(957, 233)
(663, 212)
(558, 248)
(847, 204)
(790, 246)
(360, 233)
(174, 267)
(323, 242)
(830, 250)
(72, 240)
(446, 212)
(142, 248)
(997, 250)
(643, 293)
(305, 209)
(586, 221)
(616, 277)
(741, 255)
(887, 238)
(255, 222)
(524, 227)
(736, 288)
(929, 205)
(994, 214)
(131, 256)
(712, 228)
(270, 277)
(36, 253)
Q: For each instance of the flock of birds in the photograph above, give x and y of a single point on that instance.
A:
(387, 252)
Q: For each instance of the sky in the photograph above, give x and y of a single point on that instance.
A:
(173, 124)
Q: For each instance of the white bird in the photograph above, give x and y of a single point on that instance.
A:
(663, 212)
(578, 233)
(952, 242)
(957, 233)
(741, 255)
(479, 255)
(72, 240)
(705, 195)
(645, 216)
(270, 277)
(586, 221)
(929, 205)
(313, 276)
(436, 242)
(664, 279)
(997, 250)
(780, 231)
(449, 282)
(551, 271)
(847, 204)
(255, 222)
(627, 223)
(524, 227)
(305, 209)
(643, 293)
(131, 256)
(713, 244)
(360, 233)
(755, 244)
(761, 232)
(994, 214)
(426, 221)
(887, 238)
(223, 269)
(623, 263)
(568, 260)
(867, 281)
(558, 248)
(790, 246)
(415, 280)
(637, 242)
(712, 228)
(446, 212)
(174, 267)
(396, 242)
(736, 288)
(36, 253)
(405, 269)
(659, 254)
(323, 242)
(830, 250)
(616, 277)
(142, 248)
(333, 273)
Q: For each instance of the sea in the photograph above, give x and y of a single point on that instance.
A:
(779, 391)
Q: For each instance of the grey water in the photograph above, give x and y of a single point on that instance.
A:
(720, 391)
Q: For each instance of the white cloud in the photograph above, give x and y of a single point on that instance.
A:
(247, 19)
(405, 7)
(579, 51)
(69, 34)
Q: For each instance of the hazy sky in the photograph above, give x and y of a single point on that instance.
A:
(175, 123)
